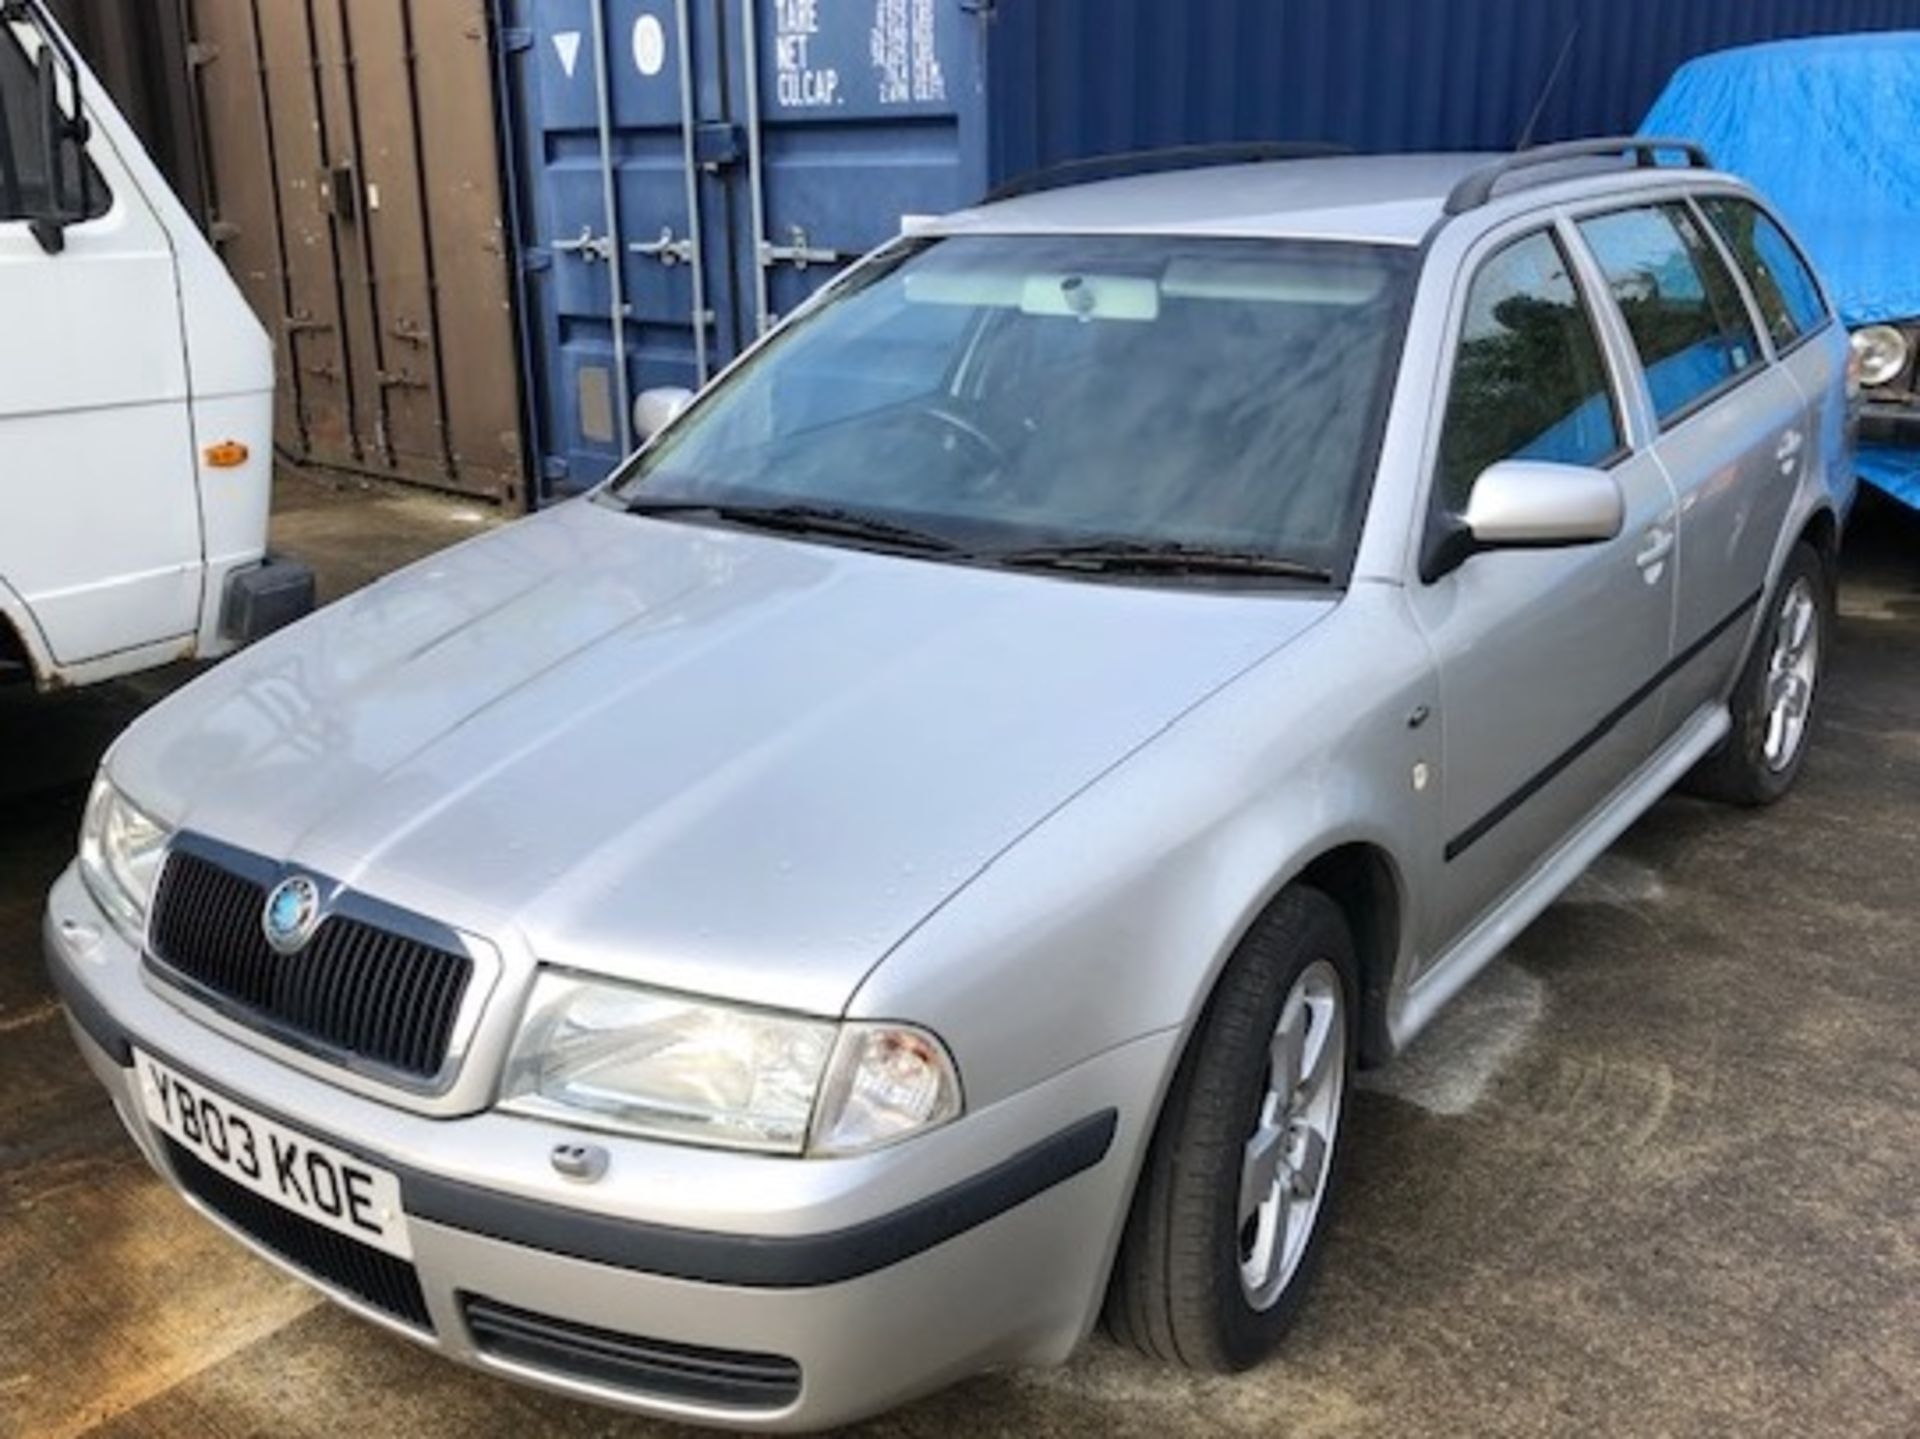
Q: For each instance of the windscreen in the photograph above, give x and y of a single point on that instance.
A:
(1018, 390)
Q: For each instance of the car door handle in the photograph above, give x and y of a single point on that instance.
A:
(1659, 544)
(1788, 450)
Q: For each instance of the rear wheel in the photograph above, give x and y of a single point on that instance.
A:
(1773, 703)
(1225, 1232)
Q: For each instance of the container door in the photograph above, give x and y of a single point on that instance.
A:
(353, 181)
(669, 211)
(611, 159)
(863, 116)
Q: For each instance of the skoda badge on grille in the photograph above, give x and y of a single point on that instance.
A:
(292, 913)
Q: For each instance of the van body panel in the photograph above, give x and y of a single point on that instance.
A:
(128, 351)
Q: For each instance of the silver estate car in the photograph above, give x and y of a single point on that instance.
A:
(912, 863)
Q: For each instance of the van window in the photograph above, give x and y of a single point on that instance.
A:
(1682, 307)
(1529, 381)
(23, 166)
(1789, 298)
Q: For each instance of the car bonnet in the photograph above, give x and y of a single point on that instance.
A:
(713, 761)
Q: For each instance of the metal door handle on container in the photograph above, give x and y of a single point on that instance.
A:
(588, 246)
(666, 249)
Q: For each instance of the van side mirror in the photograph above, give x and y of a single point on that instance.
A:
(63, 138)
(657, 408)
(1527, 504)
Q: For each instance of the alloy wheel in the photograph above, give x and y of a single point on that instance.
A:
(1283, 1175)
(1792, 668)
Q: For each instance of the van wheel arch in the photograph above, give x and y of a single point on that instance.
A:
(16, 660)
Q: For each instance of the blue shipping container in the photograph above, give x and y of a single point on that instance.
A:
(684, 171)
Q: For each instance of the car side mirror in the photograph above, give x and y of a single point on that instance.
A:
(1530, 505)
(657, 408)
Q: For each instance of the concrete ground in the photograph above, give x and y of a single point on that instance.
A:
(1658, 1172)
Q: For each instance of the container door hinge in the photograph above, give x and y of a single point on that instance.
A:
(513, 41)
(222, 231)
(201, 53)
(983, 8)
(533, 260)
(554, 467)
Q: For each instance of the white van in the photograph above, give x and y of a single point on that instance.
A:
(136, 397)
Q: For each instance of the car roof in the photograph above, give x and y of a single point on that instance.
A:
(1385, 199)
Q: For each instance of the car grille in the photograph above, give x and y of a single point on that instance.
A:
(381, 1280)
(358, 990)
(719, 1377)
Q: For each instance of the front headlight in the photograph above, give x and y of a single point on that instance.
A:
(121, 847)
(614, 1056)
(1880, 353)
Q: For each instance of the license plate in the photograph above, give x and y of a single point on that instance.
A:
(295, 1171)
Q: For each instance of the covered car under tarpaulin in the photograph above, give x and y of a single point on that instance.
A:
(1829, 130)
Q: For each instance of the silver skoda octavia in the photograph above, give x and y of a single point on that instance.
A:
(912, 864)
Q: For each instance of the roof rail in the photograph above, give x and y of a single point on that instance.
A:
(1477, 188)
(1173, 157)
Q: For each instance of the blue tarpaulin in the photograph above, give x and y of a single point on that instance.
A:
(1829, 130)
(1896, 471)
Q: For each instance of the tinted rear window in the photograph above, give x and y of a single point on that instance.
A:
(1682, 307)
(1784, 287)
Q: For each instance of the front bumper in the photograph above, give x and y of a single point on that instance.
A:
(259, 599)
(866, 1281)
(1885, 422)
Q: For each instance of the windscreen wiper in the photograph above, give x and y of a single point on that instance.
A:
(1160, 557)
(802, 519)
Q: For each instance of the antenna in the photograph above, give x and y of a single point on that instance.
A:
(1553, 78)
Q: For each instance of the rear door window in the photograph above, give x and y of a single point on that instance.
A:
(1689, 323)
(1782, 284)
(1529, 379)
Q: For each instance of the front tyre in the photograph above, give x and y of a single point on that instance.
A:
(1226, 1227)
(1773, 702)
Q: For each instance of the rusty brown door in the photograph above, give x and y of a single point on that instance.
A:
(354, 190)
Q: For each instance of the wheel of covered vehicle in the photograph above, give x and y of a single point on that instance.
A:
(1226, 1226)
(1773, 703)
